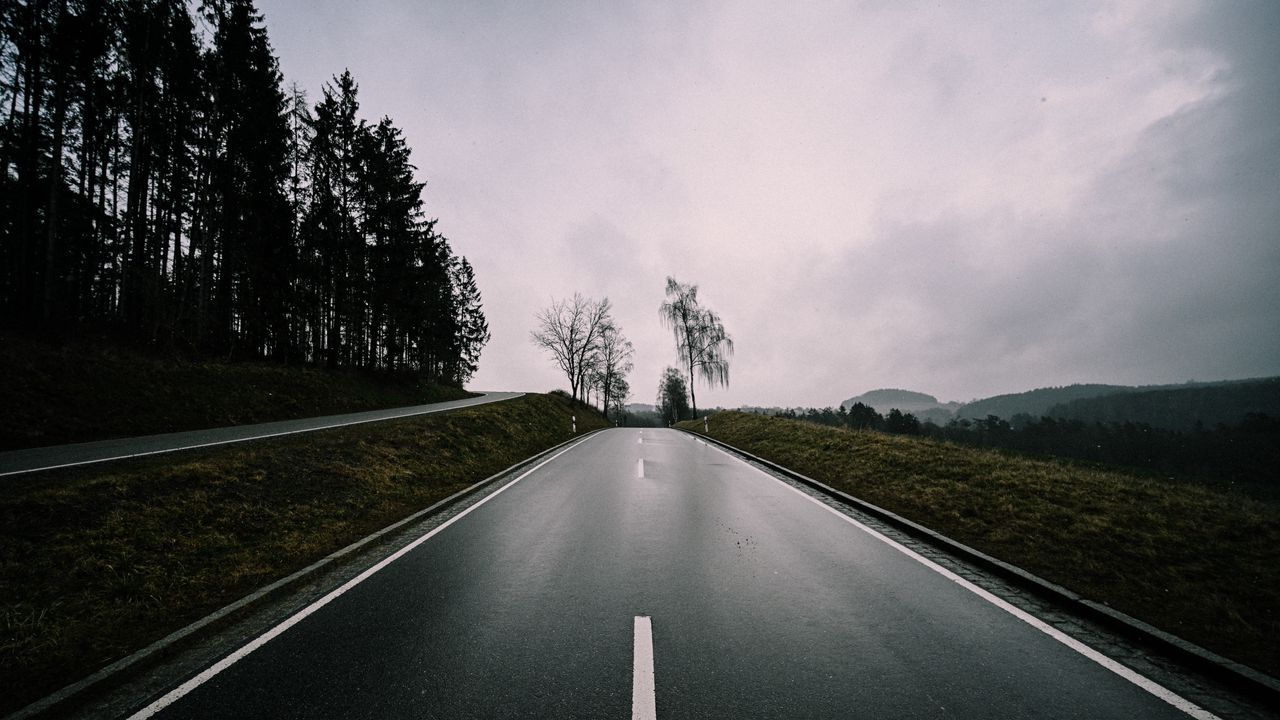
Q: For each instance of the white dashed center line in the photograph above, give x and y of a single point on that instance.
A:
(644, 704)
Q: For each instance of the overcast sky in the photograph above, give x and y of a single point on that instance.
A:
(954, 198)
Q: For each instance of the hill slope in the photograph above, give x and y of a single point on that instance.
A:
(79, 392)
(1179, 408)
(102, 560)
(1035, 403)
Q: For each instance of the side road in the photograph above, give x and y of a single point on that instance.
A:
(58, 456)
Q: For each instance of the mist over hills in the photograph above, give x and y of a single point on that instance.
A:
(1174, 407)
(1036, 402)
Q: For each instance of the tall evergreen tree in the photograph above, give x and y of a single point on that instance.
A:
(248, 177)
(155, 180)
(473, 329)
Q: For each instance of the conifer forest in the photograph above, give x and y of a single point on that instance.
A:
(160, 185)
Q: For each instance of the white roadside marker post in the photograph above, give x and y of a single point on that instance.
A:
(574, 420)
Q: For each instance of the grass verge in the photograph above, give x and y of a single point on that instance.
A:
(1195, 561)
(96, 563)
(76, 392)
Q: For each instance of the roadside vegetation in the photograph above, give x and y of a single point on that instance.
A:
(80, 391)
(1239, 455)
(98, 562)
(1200, 562)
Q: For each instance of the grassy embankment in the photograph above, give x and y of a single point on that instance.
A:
(98, 562)
(81, 391)
(1200, 563)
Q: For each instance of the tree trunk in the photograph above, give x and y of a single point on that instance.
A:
(55, 180)
(693, 398)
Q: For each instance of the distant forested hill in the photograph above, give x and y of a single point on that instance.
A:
(1035, 402)
(1178, 408)
(924, 407)
(890, 397)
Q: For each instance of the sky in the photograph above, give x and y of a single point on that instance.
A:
(956, 198)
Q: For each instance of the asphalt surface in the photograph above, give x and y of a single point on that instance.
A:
(762, 604)
(56, 456)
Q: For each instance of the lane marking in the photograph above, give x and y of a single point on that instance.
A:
(640, 468)
(468, 402)
(644, 703)
(177, 693)
(1123, 671)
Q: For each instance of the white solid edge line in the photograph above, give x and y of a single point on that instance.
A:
(1132, 676)
(177, 693)
(644, 704)
(232, 441)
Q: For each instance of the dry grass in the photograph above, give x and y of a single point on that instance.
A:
(1201, 563)
(99, 562)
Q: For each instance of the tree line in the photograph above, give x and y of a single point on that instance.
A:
(159, 185)
(1242, 454)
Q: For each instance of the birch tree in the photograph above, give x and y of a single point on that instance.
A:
(701, 341)
(613, 363)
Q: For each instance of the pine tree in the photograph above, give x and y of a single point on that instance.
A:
(156, 180)
(473, 328)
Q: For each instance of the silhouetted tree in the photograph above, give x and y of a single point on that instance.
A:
(901, 423)
(701, 341)
(613, 362)
(473, 328)
(571, 331)
(156, 181)
(864, 417)
(673, 397)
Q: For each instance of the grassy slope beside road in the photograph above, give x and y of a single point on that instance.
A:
(79, 392)
(98, 562)
(1197, 562)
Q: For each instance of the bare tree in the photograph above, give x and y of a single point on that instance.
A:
(570, 330)
(701, 341)
(619, 389)
(613, 362)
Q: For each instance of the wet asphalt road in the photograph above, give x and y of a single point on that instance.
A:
(763, 605)
(56, 456)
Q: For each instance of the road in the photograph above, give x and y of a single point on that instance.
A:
(57, 456)
(762, 603)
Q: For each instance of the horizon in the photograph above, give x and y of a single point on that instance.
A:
(950, 401)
